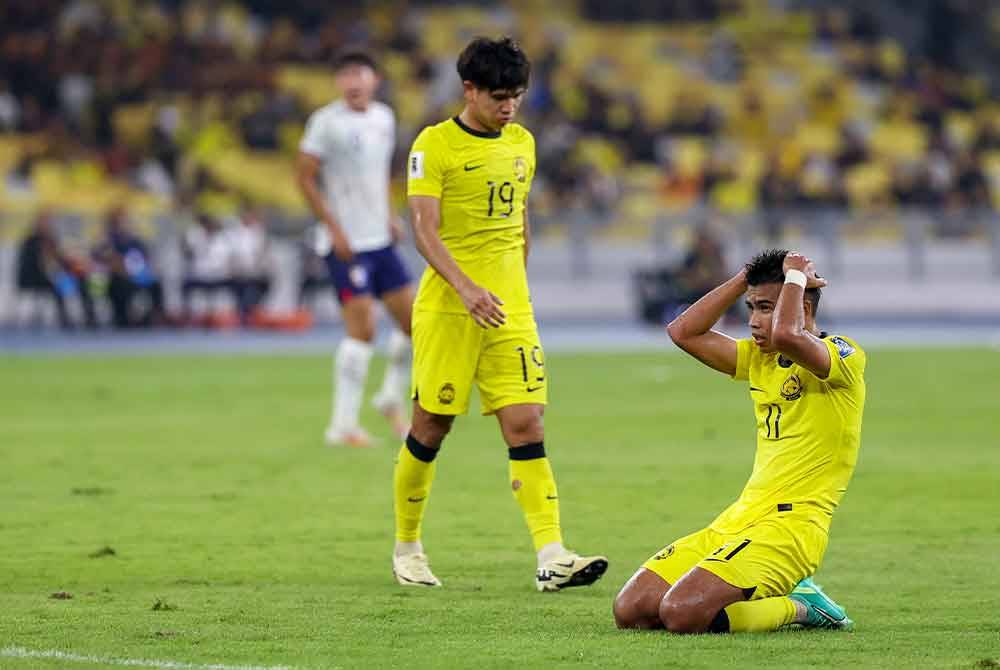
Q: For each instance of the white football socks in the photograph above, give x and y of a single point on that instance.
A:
(350, 370)
(408, 548)
(550, 551)
(397, 370)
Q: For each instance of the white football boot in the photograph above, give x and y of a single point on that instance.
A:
(413, 570)
(569, 569)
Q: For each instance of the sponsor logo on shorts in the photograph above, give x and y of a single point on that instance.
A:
(446, 395)
(791, 389)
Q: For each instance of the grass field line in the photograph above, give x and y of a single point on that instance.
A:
(21, 652)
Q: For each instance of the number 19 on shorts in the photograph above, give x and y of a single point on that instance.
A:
(532, 368)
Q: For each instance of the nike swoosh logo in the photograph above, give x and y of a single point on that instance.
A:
(552, 497)
(470, 168)
(754, 388)
(532, 390)
(564, 565)
(829, 617)
(416, 499)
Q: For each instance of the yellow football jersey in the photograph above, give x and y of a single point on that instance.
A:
(482, 180)
(808, 434)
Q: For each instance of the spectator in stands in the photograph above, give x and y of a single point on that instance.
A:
(131, 275)
(208, 252)
(43, 268)
(251, 263)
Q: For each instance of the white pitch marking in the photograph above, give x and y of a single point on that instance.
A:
(21, 652)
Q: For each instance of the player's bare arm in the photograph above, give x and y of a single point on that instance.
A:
(692, 330)
(307, 171)
(790, 334)
(482, 304)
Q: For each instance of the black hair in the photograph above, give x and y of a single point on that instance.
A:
(353, 56)
(767, 267)
(494, 65)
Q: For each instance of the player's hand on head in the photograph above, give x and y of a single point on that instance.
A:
(797, 261)
(484, 307)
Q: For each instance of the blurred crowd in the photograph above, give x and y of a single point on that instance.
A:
(225, 277)
(725, 102)
(197, 106)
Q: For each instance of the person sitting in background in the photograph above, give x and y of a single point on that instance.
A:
(251, 263)
(43, 267)
(131, 274)
(207, 250)
(703, 267)
(666, 291)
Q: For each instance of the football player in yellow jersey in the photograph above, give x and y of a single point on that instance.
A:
(468, 183)
(750, 570)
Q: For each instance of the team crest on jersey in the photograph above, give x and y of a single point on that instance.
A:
(844, 348)
(446, 395)
(791, 389)
(520, 169)
(666, 553)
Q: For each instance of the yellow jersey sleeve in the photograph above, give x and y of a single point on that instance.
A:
(847, 361)
(744, 352)
(426, 165)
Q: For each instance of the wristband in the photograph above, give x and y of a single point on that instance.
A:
(796, 277)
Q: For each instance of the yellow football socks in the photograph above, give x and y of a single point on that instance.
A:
(534, 489)
(757, 616)
(412, 481)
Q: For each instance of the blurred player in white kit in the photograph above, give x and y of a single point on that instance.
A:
(343, 171)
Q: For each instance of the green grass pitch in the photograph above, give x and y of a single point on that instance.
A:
(207, 478)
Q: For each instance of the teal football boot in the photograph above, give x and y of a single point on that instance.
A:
(821, 611)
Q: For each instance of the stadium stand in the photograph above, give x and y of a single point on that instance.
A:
(185, 108)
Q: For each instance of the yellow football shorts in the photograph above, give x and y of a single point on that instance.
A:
(768, 558)
(451, 353)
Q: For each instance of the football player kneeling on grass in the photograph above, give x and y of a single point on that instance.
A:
(751, 569)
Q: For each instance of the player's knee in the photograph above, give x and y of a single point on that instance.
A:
(430, 429)
(359, 319)
(680, 617)
(362, 329)
(524, 429)
(626, 610)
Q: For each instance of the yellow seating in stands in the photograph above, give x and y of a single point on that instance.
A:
(315, 85)
(867, 184)
(899, 140)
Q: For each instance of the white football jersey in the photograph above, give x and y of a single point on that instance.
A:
(356, 152)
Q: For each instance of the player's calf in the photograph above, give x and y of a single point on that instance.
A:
(693, 603)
